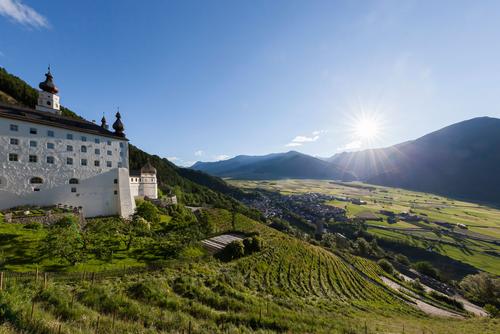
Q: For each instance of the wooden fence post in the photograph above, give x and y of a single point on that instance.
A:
(32, 309)
(1, 281)
(97, 324)
(45, 280)
(36, 276)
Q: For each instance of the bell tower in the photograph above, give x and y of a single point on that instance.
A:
(48, 100)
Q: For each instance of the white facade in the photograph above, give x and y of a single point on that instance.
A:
(144, 185)
(48, 165)
(48, 102)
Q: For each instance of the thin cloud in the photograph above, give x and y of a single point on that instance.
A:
(23, 14)
(198, 153)
(300, 140)
(172, 159)
(354, 145)
(221, 157)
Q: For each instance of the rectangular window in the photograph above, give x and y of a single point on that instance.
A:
(97, 151)
(13, 157)
(14, 141)
(109, 142)
(97, 163)
(110, 153)
(121, 154)
(83, 149)
(116, 192)
(120, 165)
(50, 133)
(69, 148)
(121, 144)
(97, 141)
(115, 181)
(108, 164)
(50, 160)
(69, 136)
(33, 131)
(73, 189)
(50, 146)
(36, 189)
(69, 161)
(84, 138)
(33, 143)
(33, 158)
(14, 127)
(84, 162)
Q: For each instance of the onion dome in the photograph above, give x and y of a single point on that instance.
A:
(103, 122)
(148, 169)
(118, 126)
(48, 85)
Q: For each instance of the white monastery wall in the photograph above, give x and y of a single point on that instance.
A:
(99, 181)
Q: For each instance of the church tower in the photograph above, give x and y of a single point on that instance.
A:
(48, 100)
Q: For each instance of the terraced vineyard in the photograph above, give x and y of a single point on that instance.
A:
(290, 286)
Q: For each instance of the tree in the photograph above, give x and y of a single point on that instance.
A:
(104, 236)
(362, 247)
(386, 266)
(400, 258)
(137, 227)
(426, 268)
(148, 211)
(65, 241)
(328, 240)
(482, 288)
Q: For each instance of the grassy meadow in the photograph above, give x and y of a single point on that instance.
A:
(290, 286)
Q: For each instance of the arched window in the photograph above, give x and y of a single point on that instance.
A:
(36, 180)
(73, 181)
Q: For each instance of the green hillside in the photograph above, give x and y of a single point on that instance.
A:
(290, 286)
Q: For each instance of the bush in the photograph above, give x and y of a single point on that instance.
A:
(402, 259)
(445, 299)
(149, 211)
(33, 226)
(362, 247)
(386, 266)
(482, 288)
(427, 269)
(233, 250)
(253, 244)
(416, 285)
(492, 310)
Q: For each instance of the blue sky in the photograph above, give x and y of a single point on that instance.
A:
(206, 80)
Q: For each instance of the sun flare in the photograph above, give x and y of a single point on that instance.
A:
(367, 128)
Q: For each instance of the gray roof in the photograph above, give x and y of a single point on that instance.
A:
(50, 119)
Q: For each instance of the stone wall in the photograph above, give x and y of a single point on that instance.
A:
(48, 219)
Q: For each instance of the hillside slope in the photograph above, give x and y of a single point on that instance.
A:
(274, 166)
(461, 160)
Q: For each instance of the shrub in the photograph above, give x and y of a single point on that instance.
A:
(362, 247)
(415, 284)
(386, 266)
(233, 250)
(149, 211)
(445, 299)
(492, 310)
(253, 244)
(33, 226)
(402, 259)
(426, 268)
(482, 288)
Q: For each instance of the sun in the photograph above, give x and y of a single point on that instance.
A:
(367, 128)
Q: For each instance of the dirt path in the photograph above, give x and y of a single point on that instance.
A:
(423, 306)
(468, 306)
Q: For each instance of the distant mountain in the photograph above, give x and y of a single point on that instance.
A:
(461, 160)
(274, 166)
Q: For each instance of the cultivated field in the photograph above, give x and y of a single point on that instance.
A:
(478, 245)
